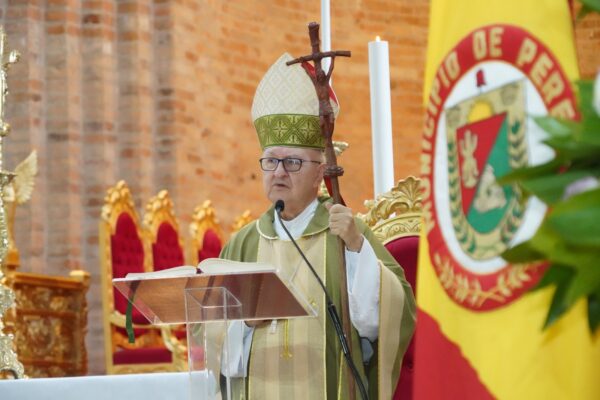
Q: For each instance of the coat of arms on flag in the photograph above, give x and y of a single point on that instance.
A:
(486, 139)
(478, 129)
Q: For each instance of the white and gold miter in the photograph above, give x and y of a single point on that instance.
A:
(285, 110)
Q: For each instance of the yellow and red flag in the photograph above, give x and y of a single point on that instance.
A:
(491, 66)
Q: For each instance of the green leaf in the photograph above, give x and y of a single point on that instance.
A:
(561, 277)
(570, 149)
(525, 173)
(559, 305)
(577, 220)
(576, 258)
(591, 4)
(590, 133)
(545, 239)
(554, 275)
(594, 311)
(585, 94)
(585, 282)
(551, 188)
(522, 253)
(583, 11)
(554, 248)
(556, 127)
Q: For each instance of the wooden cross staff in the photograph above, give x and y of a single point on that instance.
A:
(327, 120)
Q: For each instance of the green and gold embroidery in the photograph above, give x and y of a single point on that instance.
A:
(289, 130)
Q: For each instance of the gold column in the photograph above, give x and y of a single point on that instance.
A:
(8, 358)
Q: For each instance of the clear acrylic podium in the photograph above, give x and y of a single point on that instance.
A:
(211, 305)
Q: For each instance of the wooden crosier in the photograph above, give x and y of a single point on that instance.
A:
(327, 121)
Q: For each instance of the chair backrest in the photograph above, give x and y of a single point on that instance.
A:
(395, 219)
(121, 245)
(242, 220)
(206, 233)
(121, 252)
(162, 232)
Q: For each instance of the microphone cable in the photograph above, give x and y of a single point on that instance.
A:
(332, 311)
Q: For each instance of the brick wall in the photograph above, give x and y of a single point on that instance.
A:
(100, 163)
(159, 93)
(587, 40)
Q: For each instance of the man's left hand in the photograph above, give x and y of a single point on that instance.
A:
(341, 223)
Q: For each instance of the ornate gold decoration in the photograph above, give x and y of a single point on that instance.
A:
(465, 290)
(5, 63)
(289, 130)
(118, 200)
(160, 209)
(396, 213)
(242, 221)
(8, 358)
(338, 147)
(50, 322)
(16, 193)
(203, 219)
(467, 146)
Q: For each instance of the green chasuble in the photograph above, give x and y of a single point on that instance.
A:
(301, 358)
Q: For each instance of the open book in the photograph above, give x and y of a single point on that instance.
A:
(264, 290)
(210, 266)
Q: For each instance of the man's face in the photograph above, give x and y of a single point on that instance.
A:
(296, 189)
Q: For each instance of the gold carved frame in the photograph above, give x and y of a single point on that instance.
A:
(396, 213)
(242, 220)
(203, 219)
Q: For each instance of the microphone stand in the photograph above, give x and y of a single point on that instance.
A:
(331, 310)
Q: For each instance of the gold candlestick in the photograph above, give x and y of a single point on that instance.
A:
(8, 358)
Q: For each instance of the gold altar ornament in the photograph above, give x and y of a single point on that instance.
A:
(18, 192)
(8, 358)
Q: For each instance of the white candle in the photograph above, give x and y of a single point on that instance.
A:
(381, 116)
(325, 33)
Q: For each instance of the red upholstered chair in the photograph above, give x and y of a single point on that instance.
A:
(206, 233)
(163, 242)
(121, 252)
(395, 218)
(162, 231)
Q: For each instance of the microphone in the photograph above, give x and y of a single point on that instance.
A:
(279, 206)
(332, 311)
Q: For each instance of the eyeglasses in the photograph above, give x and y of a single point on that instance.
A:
(289, 164)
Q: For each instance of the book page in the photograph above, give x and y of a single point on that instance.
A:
(219, 266)
(184, 270)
